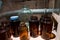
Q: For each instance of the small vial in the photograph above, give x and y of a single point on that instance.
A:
(23, 31)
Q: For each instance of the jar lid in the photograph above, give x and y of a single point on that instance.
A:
(14, 18)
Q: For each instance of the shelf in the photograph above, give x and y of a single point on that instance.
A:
(31, 38)
(32, 11)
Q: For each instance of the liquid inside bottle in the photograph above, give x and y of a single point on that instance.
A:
(23, 31)
(46, 25)
(34, 26)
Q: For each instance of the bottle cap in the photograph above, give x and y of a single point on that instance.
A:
(14, 18)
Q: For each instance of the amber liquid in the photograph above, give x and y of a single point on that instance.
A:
(34, 28)
(23, 32)
(46, 32)
(46, 27)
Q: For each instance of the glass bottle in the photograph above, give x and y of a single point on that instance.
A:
(46, 24)
(3, 32)
(14, 22)
(34, 26)
(5, 23)
(23, 31)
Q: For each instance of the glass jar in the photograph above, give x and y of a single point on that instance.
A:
(46, 26)
(23, 31)
(14, 23)
(34, 26)
(4, 31)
